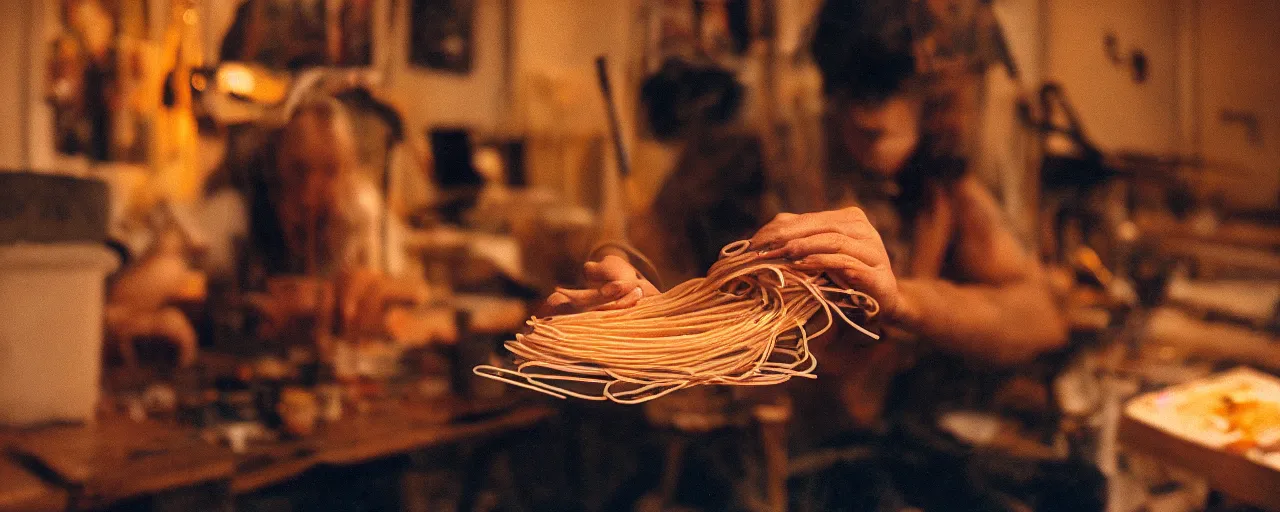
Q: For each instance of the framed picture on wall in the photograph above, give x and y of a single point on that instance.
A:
(94, 80)
(294, 34)
(440, 35)
(354, 20)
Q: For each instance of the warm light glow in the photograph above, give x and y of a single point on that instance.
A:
(251, 83)
(236, 80)
(198, 82)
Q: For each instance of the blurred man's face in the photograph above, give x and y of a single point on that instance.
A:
(312, 163)
(880, 136)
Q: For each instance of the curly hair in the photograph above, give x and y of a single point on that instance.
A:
(866, 51)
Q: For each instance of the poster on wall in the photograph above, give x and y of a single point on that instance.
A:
(441, 35)
(94, 80)
(295, 34)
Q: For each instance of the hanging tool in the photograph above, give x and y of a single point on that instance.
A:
(613, 201)
(615, 126)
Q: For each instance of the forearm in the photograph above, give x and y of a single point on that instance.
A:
(1000, 324)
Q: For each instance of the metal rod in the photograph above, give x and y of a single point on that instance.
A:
(602, 71)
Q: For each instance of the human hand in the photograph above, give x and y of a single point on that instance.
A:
(364, 296)
(840, 243)
(612, 283)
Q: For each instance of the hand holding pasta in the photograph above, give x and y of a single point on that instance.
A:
(743, 324)
(612, 284)
(840, 243)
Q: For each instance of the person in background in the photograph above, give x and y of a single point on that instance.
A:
(907, 225)
(314, 214)
(310, 212)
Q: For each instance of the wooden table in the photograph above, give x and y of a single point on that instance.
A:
(362, 439)
(20, 490)
(118, 459)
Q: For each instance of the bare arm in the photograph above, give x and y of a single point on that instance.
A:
(1005, 313)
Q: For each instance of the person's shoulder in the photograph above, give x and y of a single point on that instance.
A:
(973, 199)
(978, 215)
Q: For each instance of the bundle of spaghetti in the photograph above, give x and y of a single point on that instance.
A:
(742, 324)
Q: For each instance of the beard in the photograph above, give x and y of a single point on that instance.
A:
(320, 237)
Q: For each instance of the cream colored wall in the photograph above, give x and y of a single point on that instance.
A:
(1118, 113)
(1204, 57)
(26, 29)
(23, 113)
(433, 98)
(14, 70)
(548, 93)
(1022, 21)
(430, 98)
(559, 107)
(555, 42)
(1238, 71)
(1007, 156)
(557, 103)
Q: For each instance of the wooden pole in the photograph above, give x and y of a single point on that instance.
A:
(613, 202)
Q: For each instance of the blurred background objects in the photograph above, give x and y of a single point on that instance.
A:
(250, 250)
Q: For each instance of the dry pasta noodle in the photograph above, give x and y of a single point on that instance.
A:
(743, 324)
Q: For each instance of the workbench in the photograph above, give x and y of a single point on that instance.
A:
(97, 466)
(20, 490)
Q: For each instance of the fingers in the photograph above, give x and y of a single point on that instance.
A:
(612, 284)
(648, 289)
(586, 300)
(616, 289)
(584, 297)
(595, 273)
(847, 271)
(869, 251)
(557, 299)
(557, 304)
(832, 261)
(628, 300)
(566, 300)
(614, 277)
(851, 222)
(611, 268)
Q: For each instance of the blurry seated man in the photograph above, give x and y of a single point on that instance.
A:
(314, 218)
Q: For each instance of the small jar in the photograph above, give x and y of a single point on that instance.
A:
(298, 412)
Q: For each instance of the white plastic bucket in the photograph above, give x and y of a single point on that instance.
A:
(51, 302)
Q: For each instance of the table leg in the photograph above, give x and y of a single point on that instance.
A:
(773, 435)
